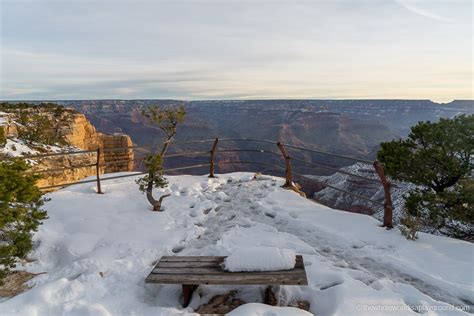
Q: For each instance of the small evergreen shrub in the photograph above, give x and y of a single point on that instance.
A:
(20, 212)
(3, 137)
(41, 128)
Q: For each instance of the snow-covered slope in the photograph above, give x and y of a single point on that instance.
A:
(96, 250)
(372, 190)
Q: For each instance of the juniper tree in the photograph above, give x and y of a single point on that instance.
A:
(438, 158)
(20, 212)
(167, 120)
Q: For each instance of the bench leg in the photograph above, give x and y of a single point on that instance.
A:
(188, 290)
(272, 297)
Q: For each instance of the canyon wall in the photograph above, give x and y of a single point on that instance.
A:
(79, 134)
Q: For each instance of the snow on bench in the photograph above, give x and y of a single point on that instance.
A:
(191, 271)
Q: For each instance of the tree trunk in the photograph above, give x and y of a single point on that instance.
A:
(149, 189)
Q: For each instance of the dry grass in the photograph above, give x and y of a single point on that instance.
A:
(225, 303)
(220, 304)
(15, 283)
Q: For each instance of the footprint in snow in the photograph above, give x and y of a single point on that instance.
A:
(294, 214)
(341, 264)
(177, 248)
(330, 285)
(359, 245)
(270, 214)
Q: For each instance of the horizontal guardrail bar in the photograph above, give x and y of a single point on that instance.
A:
(248, 150)
(193, 141)
(65, 153)
(61, 169)
(118, 177)
(195, 153)
(198, 142)
(249, 140)
(329, 154)
(90, 181)
(246, 162)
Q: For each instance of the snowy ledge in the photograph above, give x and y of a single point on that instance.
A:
(97, 250)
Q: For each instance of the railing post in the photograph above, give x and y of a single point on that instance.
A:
(288, 176)
(387, 205)
(211, 164)
(97, 168)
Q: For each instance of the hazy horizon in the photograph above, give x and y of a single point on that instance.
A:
(230, 100)
(202, 50)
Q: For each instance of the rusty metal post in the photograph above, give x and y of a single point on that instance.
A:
(211, 164)
(97, 168)
(288, 176)
(387, 205)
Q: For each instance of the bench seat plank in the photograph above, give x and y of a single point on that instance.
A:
(208, 270)
(202, 258)
(200, 271)
(192, 258)
(199, 264)
(253, 278)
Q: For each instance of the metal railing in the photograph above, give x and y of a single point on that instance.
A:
(214, 152)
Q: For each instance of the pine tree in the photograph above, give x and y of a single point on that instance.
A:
(20, 212)
(439, 158)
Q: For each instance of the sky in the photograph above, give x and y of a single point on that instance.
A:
(228, 49)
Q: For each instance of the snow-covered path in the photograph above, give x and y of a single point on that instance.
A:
(96, 251)
(241, 204)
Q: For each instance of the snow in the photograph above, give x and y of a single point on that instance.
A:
(16, 148)
(372, 190)
(260, 259)
(95, 251)
(3, 118)
(265, 310)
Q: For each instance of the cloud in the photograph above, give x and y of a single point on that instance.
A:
(236, 49)
(414, 7)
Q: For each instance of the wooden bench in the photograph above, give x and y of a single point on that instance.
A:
(192, 271)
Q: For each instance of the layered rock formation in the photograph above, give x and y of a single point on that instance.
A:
(116, 157)
(80, 135)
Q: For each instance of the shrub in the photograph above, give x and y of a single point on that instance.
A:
(20, 212)
(3, 137)
(438, 158)
(39, 128)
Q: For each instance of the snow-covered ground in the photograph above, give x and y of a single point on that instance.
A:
(15, 147)
(96, 250)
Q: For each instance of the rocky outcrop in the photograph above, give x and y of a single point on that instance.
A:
(62, 169)
(79, 134)
(116, 157)
(8, 125)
